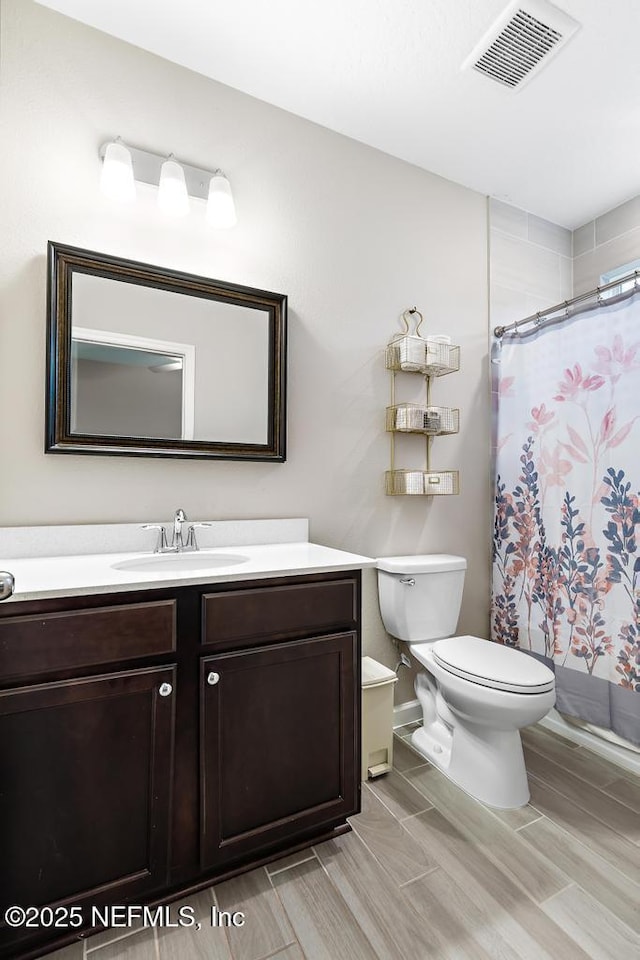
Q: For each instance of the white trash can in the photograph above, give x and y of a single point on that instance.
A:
(377, 718)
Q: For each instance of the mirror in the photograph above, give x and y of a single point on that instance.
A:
(143, 361)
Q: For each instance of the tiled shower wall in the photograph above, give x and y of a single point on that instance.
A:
(535, 264)
(605, 243)
(530, 265)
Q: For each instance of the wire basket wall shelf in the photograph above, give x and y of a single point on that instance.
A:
(420, 418)
(416, 354)
(426, 483)
(429, 357)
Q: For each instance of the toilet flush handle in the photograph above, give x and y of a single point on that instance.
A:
(408, 581)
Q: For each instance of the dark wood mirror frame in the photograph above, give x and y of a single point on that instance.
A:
(63, 262)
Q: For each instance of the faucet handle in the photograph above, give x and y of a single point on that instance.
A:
(192, 543)
(161, 543)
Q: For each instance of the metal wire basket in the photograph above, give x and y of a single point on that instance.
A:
(422, 355)
(421, 418)
(399, 483)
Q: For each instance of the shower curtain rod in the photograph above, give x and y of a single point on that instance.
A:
(566, 304)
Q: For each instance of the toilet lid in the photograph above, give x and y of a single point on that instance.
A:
(493, 665)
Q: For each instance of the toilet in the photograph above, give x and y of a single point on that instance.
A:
(475, 695)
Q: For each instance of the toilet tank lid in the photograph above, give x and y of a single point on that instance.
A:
(421, 563)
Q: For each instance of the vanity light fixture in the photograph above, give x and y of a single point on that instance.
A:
(173, 198)
(221, 210)
(117, 181)
(176, 182)
(171, 365)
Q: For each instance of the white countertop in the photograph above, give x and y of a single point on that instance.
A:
(41, 577)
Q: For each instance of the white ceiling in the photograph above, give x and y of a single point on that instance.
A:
(387, 72)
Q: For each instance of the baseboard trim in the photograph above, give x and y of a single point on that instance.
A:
(626, 759)
(407, 712)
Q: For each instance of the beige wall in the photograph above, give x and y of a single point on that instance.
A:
(352, 235)
(605, 243)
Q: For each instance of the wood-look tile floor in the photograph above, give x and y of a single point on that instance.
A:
(430, 873)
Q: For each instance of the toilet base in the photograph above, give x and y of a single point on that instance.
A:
(487, 764)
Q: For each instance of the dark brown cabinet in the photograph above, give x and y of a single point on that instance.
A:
(85, 790)
(152, 742)
(277, 743)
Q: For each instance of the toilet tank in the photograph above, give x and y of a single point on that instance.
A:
(420, 596)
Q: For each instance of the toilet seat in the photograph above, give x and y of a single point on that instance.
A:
(492, 665)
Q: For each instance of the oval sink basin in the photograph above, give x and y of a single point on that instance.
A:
(179, 562)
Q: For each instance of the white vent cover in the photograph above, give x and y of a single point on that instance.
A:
(521, 41)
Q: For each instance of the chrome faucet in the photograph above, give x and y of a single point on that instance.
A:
(178, 521)
(178, 542)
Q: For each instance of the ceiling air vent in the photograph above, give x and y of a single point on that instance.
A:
(521, 41)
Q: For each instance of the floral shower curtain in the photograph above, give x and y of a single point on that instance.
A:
(566, 557)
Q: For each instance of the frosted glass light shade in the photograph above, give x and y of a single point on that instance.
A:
(173, 198)
(116, 180)
(221, 210)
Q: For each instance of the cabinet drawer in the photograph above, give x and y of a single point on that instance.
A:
(236, 618)
(40, 644)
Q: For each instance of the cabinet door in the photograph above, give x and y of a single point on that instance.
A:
(85, 780)
(279, 744)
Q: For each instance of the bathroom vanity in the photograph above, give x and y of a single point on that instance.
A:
(154, 738)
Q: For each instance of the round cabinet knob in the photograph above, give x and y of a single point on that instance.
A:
(7, 584)
(165, 690)
(212, 678)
